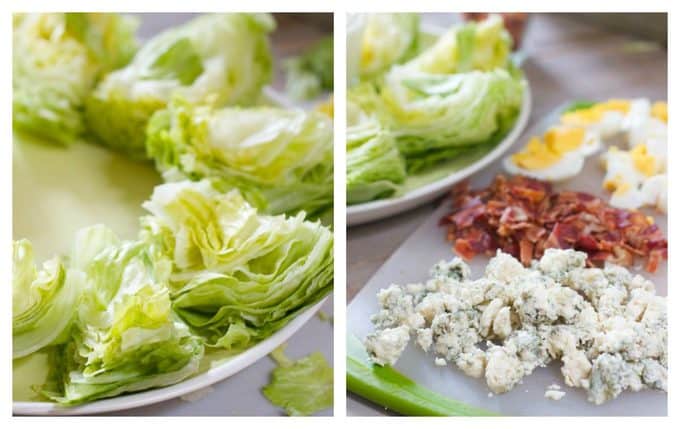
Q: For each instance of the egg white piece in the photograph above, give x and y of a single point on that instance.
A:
(567, 167)
(640, 126)
(656, 190)
(632, 189)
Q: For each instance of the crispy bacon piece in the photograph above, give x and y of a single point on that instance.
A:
(524, 216)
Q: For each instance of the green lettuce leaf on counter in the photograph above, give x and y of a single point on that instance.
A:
(301, 387)
(43, 301)
(280, 159)
(387, 39)
(435, 117)
(221, 58)
(311, 73)
(126, 337)
(375, 167)
(57, 59)
(237, 276)
(481, 46)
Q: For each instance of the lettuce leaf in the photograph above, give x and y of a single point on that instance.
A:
(221, 58)
(387, 39)
(300, 387)
(280, 159)
(57, 59)
(237, 276)
(43, 302)
(375, 167)
(471, 46)
(126, 337)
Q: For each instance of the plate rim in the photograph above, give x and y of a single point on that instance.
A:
(191, 384)
(374, 210)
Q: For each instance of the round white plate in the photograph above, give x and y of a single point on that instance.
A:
(374, 210)
(200, 381)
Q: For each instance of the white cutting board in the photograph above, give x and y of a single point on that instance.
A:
(412, 262)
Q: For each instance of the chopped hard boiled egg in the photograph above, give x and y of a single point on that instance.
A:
(559, 155)
(642, 125)
(605, 118)
(635, 178)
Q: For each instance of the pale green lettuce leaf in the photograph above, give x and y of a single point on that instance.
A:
(387, 39)
(56, 61)
(238, 276)
(375, 167)
(221, 58)
(43, 301)
(280, 159)
(126, 338)
(301, 387)
(481, 45)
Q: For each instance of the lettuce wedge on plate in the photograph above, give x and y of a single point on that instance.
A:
(387, 39)
(436, 117)
(375, 167)
(43, 301)
(237, 276)
(126, 336)
(57, 59)
(280, 159)
(481, 46)
(221, 57)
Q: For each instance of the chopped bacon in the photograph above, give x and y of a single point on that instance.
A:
(524, 216)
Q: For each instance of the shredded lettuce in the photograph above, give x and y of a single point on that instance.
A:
(301, 387)
(280, 159)
(43, 301)
(56, 60)
(221, 58)
(312, 72)
(388, 39)
(126, 337)
(374, 165)
(238, 276)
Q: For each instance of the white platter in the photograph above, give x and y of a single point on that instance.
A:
(412, 262)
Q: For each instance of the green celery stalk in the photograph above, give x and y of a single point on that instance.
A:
(391, 389)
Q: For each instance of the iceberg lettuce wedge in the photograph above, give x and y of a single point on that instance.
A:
(57, 59)
(221, 58)
(237, 276)
(126, 337)
(43, 301)
(280, 159)
(375, 167)
(471, 46)
(434, 117)
(387, 39)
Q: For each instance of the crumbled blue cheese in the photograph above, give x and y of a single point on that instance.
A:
(606, 326)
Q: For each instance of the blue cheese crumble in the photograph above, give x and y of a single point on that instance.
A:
(607, 327)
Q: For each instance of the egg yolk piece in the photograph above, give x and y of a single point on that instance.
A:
(660, 111)
(644, 162)
(539, 154)
(536, 155)
(594, 113)
(564, 139)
